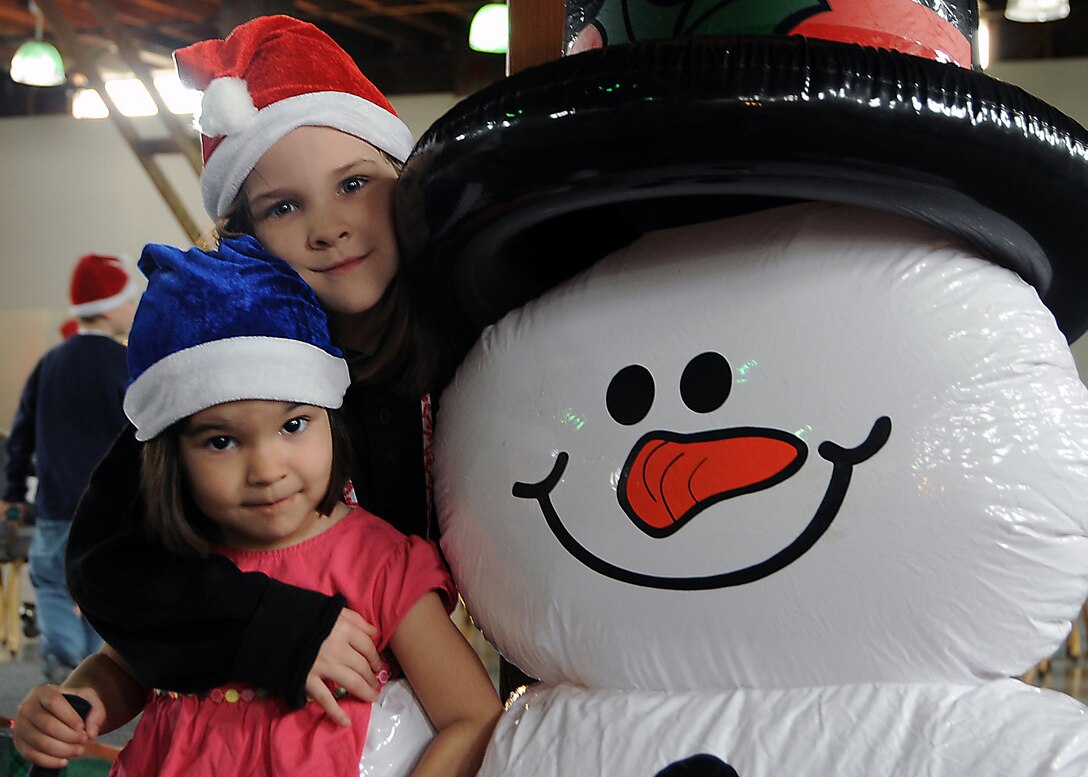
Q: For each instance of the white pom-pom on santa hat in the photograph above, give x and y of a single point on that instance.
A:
(226, 107)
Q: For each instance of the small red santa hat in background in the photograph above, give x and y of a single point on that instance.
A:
(68, 328)
(99, 284)
(272, 75)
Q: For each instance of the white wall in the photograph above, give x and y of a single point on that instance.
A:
(73, 187)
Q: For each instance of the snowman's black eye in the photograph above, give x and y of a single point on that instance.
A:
(706, 382)
(630, 394)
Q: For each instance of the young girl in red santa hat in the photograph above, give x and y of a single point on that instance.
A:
(302, 152)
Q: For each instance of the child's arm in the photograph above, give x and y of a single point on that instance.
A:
(48, 731)
(192, 623)
(452, 685)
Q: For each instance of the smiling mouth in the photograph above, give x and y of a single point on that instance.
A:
(270, 505)
(345, 266)
(843, 461)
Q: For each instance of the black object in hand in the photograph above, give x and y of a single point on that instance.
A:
(80, 705)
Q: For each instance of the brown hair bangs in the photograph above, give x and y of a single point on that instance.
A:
(172, 516)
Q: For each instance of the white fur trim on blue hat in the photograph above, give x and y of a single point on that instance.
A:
(239, 368)
(235, 156)
(99, 306)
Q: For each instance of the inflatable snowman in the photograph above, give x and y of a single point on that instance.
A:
(771, 457)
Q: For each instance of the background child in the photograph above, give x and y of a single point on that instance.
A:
(231, 371)
(69, 413)
(285, 110)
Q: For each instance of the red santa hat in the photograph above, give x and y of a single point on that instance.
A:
(99, 284)
(68, 328)
(269, 76)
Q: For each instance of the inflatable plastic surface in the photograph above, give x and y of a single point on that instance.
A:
(1000, 728)
(538, 176)
(768, 456)
(813, 447)
(398, 733)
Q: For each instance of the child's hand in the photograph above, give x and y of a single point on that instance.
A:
(48, 731)
(348, 659)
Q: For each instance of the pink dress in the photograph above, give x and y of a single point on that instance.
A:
(238, 730)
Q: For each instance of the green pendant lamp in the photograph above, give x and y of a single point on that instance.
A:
(37, 62)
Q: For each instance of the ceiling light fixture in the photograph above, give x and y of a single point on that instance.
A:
(490, 29)
(1036, 10)
(37, 62)
(132, 99)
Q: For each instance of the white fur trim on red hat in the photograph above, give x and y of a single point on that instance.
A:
(236, 155)
(226, 107)
(99, 306)
(239, 368)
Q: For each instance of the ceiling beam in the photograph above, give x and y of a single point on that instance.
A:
(319, 11)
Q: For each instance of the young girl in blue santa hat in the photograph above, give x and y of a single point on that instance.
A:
(233, 388)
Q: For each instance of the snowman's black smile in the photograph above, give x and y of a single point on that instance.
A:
(843, 460)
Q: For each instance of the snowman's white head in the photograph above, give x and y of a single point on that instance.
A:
(815, 445)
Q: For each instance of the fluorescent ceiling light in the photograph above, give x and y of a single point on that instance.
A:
(177, 98)
(1036, 10)
(86, 104)
(132, 98)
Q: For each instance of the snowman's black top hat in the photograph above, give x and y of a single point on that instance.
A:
(534, 178)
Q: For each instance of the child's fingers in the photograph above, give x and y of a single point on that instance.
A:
(350, 671)
(46, 710)
(44, 750)
(369, 652)
(41, 759)
(97, 715)
(363, 687)
(359, 622)
(42, 732)
(360, 636)
(323, 697)
(53, 702)
(350, 647)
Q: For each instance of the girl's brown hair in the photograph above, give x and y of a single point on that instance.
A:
(171, 515)
(411, 357)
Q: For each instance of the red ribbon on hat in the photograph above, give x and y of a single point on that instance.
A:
(900, 25)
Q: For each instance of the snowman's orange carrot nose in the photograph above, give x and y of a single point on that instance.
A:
(668, 480)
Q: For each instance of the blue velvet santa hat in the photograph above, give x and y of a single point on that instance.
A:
(232, 324)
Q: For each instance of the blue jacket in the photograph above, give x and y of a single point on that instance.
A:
(68, 416)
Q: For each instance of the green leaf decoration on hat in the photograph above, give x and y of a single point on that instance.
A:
(633, 20)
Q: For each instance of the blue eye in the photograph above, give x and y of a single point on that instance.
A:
(296, 425)
(280, 209)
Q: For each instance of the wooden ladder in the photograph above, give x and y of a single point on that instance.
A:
(178, 139)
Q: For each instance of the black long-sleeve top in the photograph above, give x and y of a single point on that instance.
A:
(188, 624)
